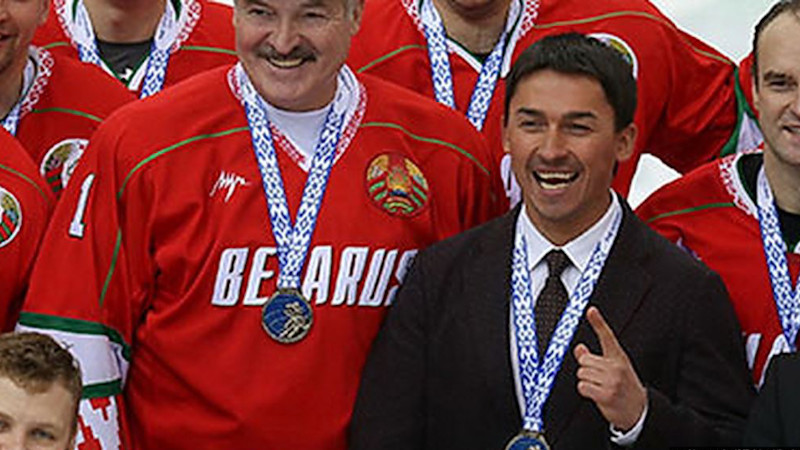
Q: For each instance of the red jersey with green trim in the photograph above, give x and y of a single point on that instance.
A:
(206, 39)
(686, 110)
(712, 213)
(161, 256)
(57, 119)
(25, 206)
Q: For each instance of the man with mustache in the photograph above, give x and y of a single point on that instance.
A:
(741, 216)
(40, 102)
(145, 44)
(230, 264)
(459, 52)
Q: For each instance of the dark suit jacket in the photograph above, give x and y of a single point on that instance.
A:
(775, 416)
(439, 374)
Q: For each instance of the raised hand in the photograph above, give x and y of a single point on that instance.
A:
(609, 379)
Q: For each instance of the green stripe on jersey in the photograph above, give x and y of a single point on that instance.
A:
(56, 44)
(27, 180)
(157, 154)
(444, 144)
(103, 355)
(102, 390)
(389, 55)
(74, 112)
(691, 210)
(76, 326)
(203, 48)
(111, 268)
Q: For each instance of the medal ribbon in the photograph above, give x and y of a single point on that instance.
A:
(441, 73)
(537, 375)
(11, 121)
(156, 72)
(787, 300)
(292, 242)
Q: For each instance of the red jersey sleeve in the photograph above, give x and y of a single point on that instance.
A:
(91, 281)
(25, 207)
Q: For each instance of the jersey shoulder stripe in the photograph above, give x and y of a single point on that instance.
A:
(443, 144)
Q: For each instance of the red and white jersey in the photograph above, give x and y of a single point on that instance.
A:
(204, 41)
(686, 104)
(25, 206)
(161, 256)
(57, 118)
(712, 213)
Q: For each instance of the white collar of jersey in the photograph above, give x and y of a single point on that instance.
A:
(579, 250)
(522, 17)
(350, 95)
(734, 184)
(35, 78)
(76, 24)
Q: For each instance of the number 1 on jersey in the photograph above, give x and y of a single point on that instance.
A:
(76, 226)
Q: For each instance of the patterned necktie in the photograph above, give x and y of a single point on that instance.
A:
(552, 300)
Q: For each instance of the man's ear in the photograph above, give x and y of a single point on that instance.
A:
(626, 141)
(45, 11)
(504, 136)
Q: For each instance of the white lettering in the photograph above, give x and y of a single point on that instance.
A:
(318, 273)
(229, 276)
(370, 285)
(351, 268)
(258, 273)
(402, 268)
(751, 349)
(378, 277)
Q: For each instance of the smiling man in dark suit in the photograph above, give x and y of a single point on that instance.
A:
(567, 323)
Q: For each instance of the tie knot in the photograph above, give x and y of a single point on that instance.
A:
(557, 261)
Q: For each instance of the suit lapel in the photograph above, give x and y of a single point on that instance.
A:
(488, 291)
(618, 293)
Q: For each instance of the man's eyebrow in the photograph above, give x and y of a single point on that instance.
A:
(529, 111)
(775, 75)
(577, 115)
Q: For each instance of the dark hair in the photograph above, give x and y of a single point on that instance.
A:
(574, 53)
(35, 361)
(778, 9)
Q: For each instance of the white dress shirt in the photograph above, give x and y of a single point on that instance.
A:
(579, 251)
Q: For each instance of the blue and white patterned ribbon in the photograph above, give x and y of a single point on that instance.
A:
(536, 376)
(787, 300)
(11, 121)
(442, 75)
(292, 242)
(83, 34)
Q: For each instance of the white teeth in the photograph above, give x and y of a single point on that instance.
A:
(554, 180)
(287, 64)
(555, 176)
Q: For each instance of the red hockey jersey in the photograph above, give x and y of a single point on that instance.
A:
(205, 41)
(687, 108)
(56, 119)
(25, 206)
(712, 214)
(161, 256)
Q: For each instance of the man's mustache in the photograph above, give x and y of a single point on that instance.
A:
(298, 52)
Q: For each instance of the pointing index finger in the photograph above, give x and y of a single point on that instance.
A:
(608, 341)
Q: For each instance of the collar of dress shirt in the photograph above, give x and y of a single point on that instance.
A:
(579, 250)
